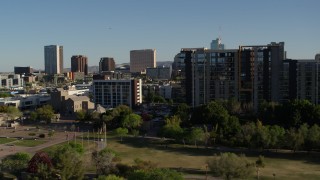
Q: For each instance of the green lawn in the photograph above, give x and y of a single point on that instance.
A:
(6, 140)
(29, 142)
(192, 160)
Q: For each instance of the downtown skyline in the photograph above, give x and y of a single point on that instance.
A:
(112, 28)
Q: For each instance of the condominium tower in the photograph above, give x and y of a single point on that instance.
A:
(79, 63)
(142, 59)
(53, 59)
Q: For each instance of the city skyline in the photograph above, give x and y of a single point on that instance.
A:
(113, 28)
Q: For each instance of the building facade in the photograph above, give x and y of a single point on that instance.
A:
(79, 63)
(300, 80)
(216, 44)
(259, 73)
(23, 70)
(249, 74)
(208, 74)
(106, 64)
(11, 81)
(142, 59)
(112, 93)
(53, 59)
(77, 103)
(160, 73)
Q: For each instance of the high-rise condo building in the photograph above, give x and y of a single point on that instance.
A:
(142, 59)
(249, 74)
(260, 68)
(106, 64)
(207, 74)
(53, 59)
(79, 63)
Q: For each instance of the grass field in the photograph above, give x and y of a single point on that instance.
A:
(189, 159)
(29, 142)
(6, 140)
(192, 160)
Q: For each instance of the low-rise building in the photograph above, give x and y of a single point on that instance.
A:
(77, 103)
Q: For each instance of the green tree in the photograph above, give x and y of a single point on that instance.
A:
(13, 112)
(155, 174)
(229, 165)
(132, 121)
(183, 111)
(247, 134)
(68, 161)
(296, 138)
(229, 129)
(33, 116)
(260, 163)
(4, 109)
(4, 95)
(103, 161)
(115, 117)
(81, 115)
(261, 138)
(109, 177)
(45, 113)
(121, 132)
(195, 135)
(313, 137)
(212, 113)
(15, 163)
(172, 128)
(276, 136)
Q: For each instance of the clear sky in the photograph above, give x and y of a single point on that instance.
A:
(106, 28)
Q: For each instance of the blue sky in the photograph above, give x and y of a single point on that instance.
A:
(106, 28)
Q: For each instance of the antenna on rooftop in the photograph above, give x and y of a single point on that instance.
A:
(219, 39)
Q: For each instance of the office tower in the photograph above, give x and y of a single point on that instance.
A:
(53, 59)
(106, 64)
(23, 70)
(79, 63)
(216, 44)
(142, 59)
(115, 92)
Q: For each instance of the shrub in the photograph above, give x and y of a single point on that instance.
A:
(124, 169)
(42, 135)
(230, 165)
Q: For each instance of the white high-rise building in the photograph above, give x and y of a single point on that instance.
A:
(53, 59)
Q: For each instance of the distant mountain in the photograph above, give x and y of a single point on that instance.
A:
(93, 69)
(164, 63)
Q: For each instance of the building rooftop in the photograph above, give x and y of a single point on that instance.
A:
(79, 98)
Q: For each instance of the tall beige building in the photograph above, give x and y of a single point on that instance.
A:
(142, 59)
